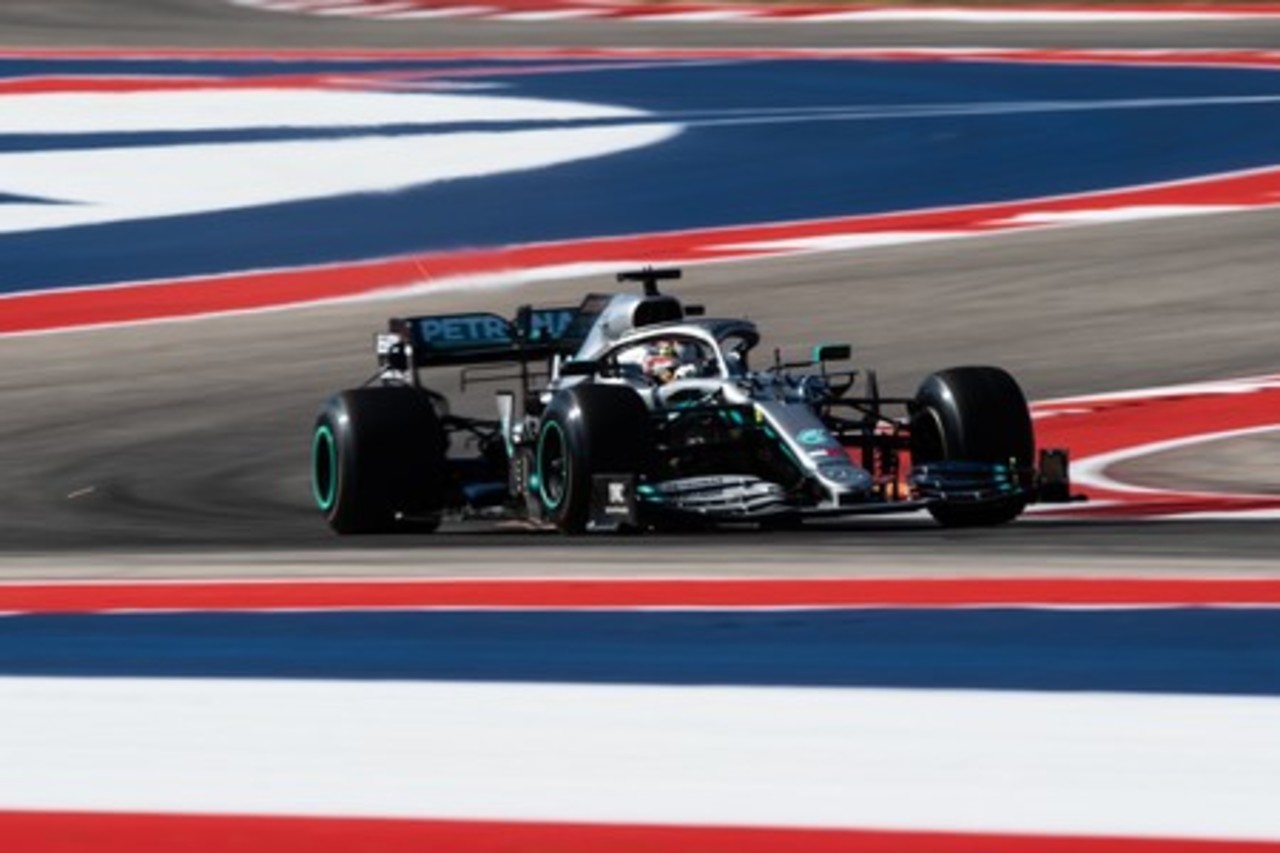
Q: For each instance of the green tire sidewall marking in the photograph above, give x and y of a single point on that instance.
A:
(323, 442)
(542, 475)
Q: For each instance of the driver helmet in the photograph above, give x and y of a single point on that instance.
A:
(662, 360)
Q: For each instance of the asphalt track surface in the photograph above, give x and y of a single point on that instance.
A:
(213, 23)
(180, 448)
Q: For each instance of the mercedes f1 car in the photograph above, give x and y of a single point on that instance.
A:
(635, 411)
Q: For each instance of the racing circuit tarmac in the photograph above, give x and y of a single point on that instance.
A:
(213, 23)
(181, 448)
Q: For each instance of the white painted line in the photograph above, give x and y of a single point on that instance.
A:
(1091, 471)
(391, 9)
(1016, 16)
(161, 111)
(701, 16)
(314, 7)
(1116, 214)
(880, 112)
(1242, 385)
(552, 15)
(354, 8)
(349, 10)
(1009, 762)
(441, 12)
(843, 242)
(275, 5)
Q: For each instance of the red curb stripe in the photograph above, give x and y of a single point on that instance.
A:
(622, 594)
(78, 832)
(1109, 425)
(1090, 428)
(146, 301)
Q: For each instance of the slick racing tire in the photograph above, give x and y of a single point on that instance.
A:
(377, 461)
(973, 414)
(587, 430)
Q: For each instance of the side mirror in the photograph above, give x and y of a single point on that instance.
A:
(832, 352)
(580, 368)
(391, 351)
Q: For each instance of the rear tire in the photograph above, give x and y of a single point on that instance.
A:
(377, 461)
(973, 414)
(587, 430)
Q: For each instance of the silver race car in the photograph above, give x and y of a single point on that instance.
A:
(635, 411)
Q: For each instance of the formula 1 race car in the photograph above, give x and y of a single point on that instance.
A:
(635, 411)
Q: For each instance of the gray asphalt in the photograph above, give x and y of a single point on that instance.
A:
(181, 448)
(213, 23)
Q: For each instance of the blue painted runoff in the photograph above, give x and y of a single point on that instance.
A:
(1182, 650)
(761, 140)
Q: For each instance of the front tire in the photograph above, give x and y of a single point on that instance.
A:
(377, 461)
(587, 430)
(973, 414)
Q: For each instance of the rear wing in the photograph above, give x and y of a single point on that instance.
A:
(442, 340)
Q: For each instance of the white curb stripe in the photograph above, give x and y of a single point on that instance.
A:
(551, 15)
(442, 12)
(987, 761)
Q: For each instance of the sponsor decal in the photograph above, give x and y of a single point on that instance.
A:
(464, 330)
(550, 323)
(813, 437)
